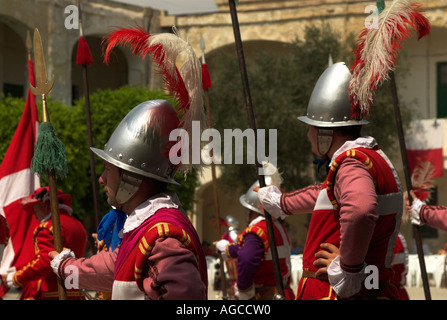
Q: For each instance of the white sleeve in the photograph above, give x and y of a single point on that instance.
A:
(270, 198)
(345, 284)
(66, 253)
(415, 212)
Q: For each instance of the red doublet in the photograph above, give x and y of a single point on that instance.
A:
(129, 276)
(324, 226)
(37, 278)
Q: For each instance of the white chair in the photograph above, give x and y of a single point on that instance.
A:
(414, 271)
(434, 265)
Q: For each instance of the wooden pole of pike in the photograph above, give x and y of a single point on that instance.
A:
(251, 119)
(403, 151)
(214, 179)
(43, 87)
(88, 121)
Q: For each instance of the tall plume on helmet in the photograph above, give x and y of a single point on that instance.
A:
(166, 50)
(377, 49)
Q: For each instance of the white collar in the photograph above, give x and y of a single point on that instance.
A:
(256, 220)
(61, 206)
(362, 142)
(147, 208)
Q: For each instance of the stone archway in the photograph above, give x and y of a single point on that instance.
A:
(13, 59)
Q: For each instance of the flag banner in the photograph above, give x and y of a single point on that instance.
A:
(18, 181)
(425, 143)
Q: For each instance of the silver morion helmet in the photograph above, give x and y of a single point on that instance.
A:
(329, 105)
(140, 144)
(250, 199)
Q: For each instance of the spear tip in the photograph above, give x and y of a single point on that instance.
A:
(29, 43)
(202, 43)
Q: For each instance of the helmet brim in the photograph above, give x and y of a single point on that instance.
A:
(326, 124)
(247, 205)
(100, 153)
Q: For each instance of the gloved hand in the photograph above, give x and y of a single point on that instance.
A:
(270, 198)
(415, 210)
(244, 294)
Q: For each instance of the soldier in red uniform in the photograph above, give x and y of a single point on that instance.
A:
(255, 277)
(356, 211)
(37, 279)
(160, 256)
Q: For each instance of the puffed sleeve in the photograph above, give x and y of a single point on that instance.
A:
(172, 273)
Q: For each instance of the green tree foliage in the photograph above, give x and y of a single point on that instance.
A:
(108, 107)
(280, 87)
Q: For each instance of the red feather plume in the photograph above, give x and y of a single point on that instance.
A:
(184, 83)
(135, 38)
(377, 50)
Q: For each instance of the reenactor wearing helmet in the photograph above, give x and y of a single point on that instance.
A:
(255, 277)
(356, 211)
(160, 255)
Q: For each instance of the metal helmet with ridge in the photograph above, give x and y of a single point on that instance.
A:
(140, 146)
(250, 199)
(329, 105)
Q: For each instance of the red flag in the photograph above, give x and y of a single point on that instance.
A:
(425, 144)
(18, 181)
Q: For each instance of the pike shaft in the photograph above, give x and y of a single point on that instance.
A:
(57, 233)
(216, 204)
(251, 119)
(416, 231)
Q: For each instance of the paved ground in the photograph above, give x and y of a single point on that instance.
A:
(417, 293)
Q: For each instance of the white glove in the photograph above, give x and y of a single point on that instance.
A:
(66, 253)
(221, 245)
(270, 198)
(9, 282)
(415, 212)
(345, 284)
(246, 294)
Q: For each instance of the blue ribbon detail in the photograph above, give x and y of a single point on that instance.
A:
(110, 226)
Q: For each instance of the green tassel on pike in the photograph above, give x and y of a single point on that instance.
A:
(50, 153)
(380, 5)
